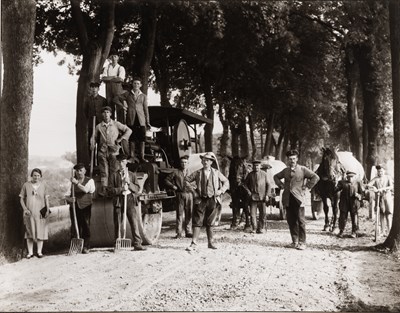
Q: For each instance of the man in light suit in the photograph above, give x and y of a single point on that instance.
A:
(137, 116)
(210, 185)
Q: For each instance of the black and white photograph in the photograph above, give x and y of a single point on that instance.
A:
(199, 155)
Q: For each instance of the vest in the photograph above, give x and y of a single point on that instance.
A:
(83, 199)
(207, 189)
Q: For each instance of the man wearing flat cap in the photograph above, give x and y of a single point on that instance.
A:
(350, 199)
(110, 135)
(113, 76)
(184, 197)
(259, 187)
(210, 185)
(382, 185)
(94, 105)
(124, 181)
(84, 190)
(293, 197)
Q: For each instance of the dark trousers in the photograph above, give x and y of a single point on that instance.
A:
(296, 220)
(205, 212)
(133, 217)
(262, 217)
(83, 220)
(184, 203)
(343, 219)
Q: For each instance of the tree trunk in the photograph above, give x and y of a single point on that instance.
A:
(146, 45)
(244, 142)
(160, 69)
(252, 140)
(18, 27)
(234, 141)
(208, 129)
(223, 142)
(370, 91)
(353, 93)
(393, 239)
(268, 138)
(94, 54)
(365, 141)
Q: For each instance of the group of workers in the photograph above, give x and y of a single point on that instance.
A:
(198, 194)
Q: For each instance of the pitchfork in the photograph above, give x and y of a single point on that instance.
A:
(76, 243)
(123, 243)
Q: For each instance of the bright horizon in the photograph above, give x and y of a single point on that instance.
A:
(52, 124)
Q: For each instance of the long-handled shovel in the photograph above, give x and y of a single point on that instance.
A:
(92, 153)
(76, 243)
(124, 243)
(378, 198)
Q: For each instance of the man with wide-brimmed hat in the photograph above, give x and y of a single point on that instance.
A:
(210, 185)
(184, 197)
(350, 199)
(259, 187)
(124, 181)
(110, 135)
(293, 197)
(113, 76)
(382, 185)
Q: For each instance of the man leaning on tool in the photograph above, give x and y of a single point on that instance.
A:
(293, 198)
(121, 181)
(84, 189)
(210, 185)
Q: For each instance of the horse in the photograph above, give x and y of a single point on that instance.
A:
(329, 171)
(238, 170)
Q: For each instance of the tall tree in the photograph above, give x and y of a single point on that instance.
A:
(95, 50)
(18, 27)
(393, 240)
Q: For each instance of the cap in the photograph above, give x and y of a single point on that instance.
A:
(113, 51)
(266, 166)
(208, 156)
(79, 166)
(106, 108)
(379, 166)
(256, 162)
(94, 84)
(292, 152)
(350, 174)
(184, 157)
(121, 157)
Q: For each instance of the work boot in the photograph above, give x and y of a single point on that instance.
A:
(139, 248)
(192, 247)
(340, 235)
(210, 237)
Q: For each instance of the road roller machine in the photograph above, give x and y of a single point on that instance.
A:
(177, 136)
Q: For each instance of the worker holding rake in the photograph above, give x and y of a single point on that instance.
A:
(125, 182)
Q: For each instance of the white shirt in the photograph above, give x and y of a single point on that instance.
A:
(117, 70)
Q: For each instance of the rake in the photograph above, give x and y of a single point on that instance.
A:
(123, 243)
(76, 243)
(377, 213)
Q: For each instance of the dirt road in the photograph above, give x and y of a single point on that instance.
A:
(248, 272)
